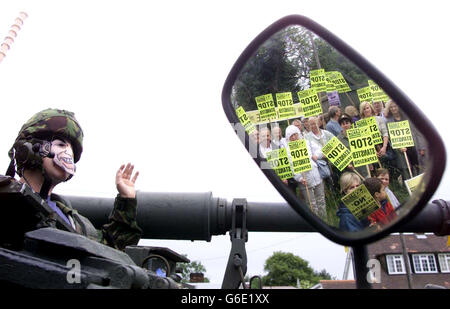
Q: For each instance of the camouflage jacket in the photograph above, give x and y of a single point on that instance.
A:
(120, 231)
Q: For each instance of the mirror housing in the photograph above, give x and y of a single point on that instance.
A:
(436, 150)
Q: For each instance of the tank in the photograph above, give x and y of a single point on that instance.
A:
(39, 250)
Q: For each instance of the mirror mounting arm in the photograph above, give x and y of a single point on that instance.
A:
(360, 258)
(237, 260)
(445, 212)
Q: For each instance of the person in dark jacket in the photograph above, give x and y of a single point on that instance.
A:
(347, 221)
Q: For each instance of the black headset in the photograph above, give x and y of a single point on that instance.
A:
(28, 153)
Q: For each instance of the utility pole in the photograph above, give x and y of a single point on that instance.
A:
(319, 66)
(406, 259)
(316, 55)
(12, 35)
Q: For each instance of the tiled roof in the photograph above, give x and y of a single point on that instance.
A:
(338, 284)
(413, 243)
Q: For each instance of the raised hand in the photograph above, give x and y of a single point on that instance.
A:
(124, 181)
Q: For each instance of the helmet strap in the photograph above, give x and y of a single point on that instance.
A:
(46, 185)
(11, 171)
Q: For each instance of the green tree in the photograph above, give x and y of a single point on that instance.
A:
(283, 63)
(192, 267)
(279, 65)
(332, 60)
(286, 268)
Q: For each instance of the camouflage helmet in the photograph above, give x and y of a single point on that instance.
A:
(54, 122)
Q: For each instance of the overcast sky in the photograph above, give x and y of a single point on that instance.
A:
(145, 82)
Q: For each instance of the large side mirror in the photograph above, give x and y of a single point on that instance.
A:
(341, 143)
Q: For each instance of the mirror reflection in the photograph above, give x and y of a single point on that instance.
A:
(331, 134)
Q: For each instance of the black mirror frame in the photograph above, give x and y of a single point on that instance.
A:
(437, 155)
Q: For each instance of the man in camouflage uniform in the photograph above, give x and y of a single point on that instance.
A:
(44, 154)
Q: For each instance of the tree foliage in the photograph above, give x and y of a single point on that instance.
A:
(283, 63)
(284, 269)
(279, 65)
(192, 267)
(331, 60)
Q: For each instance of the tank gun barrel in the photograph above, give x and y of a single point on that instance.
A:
(199, 216)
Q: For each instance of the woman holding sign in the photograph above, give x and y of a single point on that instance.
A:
(366, 111)
(347, 221)
(415, 155)
(346, 123)
(320, 138)
(302, 155)
(387, 158)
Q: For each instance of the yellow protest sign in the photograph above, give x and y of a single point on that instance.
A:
(364, 94)
(378, 95)
(298, 111)
(339, 81)
(330, 85)
(254, 116)
(372, 124)
(310, 102)
(245, 120)
(362, 146)
(266, 107)
(256, 119)
(339, 155)
(414, 184)
(317, 79)
(279, 161)
(299, 156)
(360, 202)
(285, 105)
(400, 134)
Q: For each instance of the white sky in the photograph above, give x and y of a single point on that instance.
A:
(145, 82)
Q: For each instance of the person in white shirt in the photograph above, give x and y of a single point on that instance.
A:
(277, 137)
(318, 136)
(265, 141)
(310, 183)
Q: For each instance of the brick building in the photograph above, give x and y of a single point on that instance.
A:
(418, 260)
(414, 262)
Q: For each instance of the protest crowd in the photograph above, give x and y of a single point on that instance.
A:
(338, 158)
